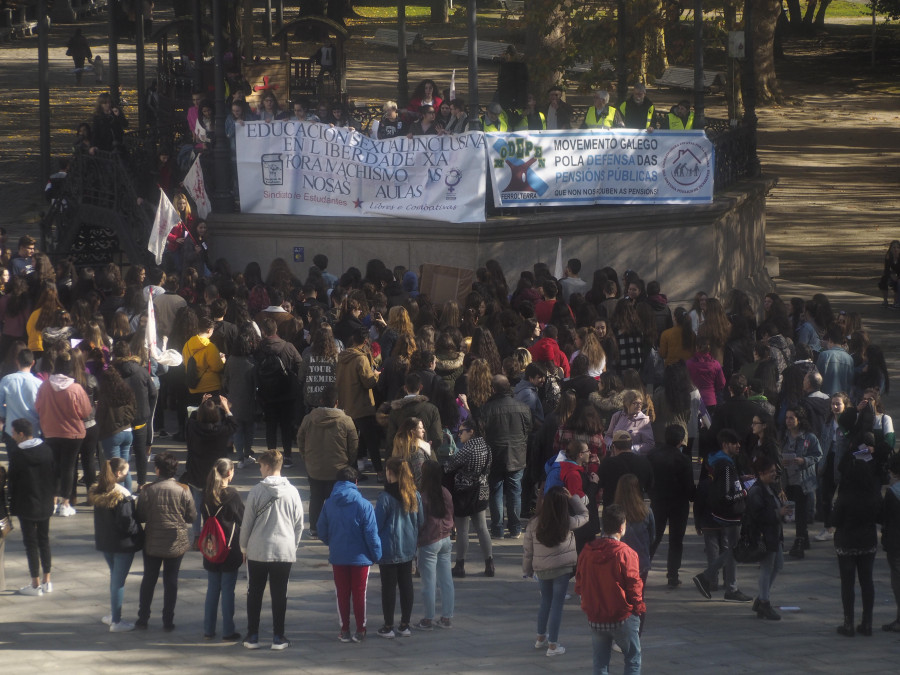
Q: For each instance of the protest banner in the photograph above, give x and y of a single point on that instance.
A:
(306, 168)
(600, 166)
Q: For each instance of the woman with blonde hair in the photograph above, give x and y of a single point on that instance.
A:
(634, 421)
(588, 343)
(478, 385)
(399, 516)
(398, 324)
(222, 502)
(410, 446)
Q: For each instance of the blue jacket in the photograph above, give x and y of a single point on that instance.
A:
(347, 525)
(398, 530)
(836, 367)
(527, 393)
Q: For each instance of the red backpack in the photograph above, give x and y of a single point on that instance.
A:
(213, 545)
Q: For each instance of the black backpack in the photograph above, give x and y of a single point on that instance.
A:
(273, 380)
(192, 374)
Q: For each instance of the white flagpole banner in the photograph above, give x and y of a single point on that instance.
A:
(307, 168)
(166, 218)
(600, 166)
(196, 187)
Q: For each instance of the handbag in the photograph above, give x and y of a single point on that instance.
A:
(750, 547)
(465, 500)
(6, 527)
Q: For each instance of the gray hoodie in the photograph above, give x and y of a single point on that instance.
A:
(273, 521)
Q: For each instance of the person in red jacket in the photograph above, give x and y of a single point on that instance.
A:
(547, 349)
(612, 594)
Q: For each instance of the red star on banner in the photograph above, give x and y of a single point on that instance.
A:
(265, 85)
(357, 204)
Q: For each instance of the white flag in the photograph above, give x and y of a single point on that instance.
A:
(150, 338)
(559, 269)
(453, 85)
(166, 218)
(196, 188)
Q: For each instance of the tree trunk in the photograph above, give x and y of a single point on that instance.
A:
(810, 13)
(440, 11)
(820, 15)
(657, 60)
(733, 95)
(545, 34)
(765, 16)
(796, 14)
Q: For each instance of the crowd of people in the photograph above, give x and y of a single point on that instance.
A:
(568, 402)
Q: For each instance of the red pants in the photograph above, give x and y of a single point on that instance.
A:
(351, 581)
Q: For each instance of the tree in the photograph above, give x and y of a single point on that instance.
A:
(440, 11)
(765, 18)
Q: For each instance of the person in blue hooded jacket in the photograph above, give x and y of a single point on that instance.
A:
(399, 515)
(347, 525)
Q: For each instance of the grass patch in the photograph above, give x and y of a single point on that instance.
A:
(412, 12)
(844, 8)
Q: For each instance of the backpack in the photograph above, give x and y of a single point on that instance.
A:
(273, 378)
(553, 470)
(213, 545)
(448, 446)
(192, 373)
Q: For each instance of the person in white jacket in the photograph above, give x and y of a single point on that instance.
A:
(270, 535)
(550, 556)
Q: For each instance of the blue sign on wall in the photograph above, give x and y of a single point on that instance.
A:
(298, 254)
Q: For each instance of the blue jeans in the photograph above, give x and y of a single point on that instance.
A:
(119, 566)
(197, 494)
(219, 583)
(626, 636)
(119, 445)
(725, 559)
(553, 597)
(434, 566)
(769, 567)
(510, 485)
(243, 439)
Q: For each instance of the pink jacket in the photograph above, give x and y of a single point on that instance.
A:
(62, 406)
(707, 376)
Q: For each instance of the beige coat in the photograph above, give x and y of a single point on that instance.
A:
(167, 510)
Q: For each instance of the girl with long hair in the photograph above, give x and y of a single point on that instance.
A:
(399, 516)
(835, 443)
(800, 452)
(477, 385)
(116, 410)
(629, 336)
(677, 401)
(716, 329)
(319, 366)
(222, 502)
(411, 447)
(43, 316)
(549, 554)
(116, 534)
(15, 310)
(483, 346)
(641, 529)
(239, 385)
(435, 547)
(587, 343)
(395, 368)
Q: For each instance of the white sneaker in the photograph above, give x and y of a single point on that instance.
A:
(617, 648)
(65, 511)
(48, 587)
(557, 651)
(31, 590)
(107, 620)
(121, 627)
(541, 644)
(824, 535)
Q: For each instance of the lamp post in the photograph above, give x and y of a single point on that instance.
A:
(474, 105)
(749, 85)
(402, 60)
(699, 119)
(113, 58)
(44, 88)
(139, 55)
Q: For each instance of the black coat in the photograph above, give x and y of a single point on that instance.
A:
(32, 482)
(205, 444)
(507, 423)
(858, 507)
(115, 528)
(673, 476)
(762, 508)
(613, 468)
(890, 521)
(138, 378)
(230, 517)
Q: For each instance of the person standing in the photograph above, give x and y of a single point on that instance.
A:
(435, 547)
(18, 393)
(765, 511)
(167, 510)
(834, 363)
(116, 534)
(550, 556)
(612, 594)
(347, 525)
(800, 454)
(356, 377)
(277, 372)
(31, 489)
(222, 502)
(270, 536)
(671, 496)
(327, 442)
(399, 516)
(637, 109)
(890, 536)
(79, 49)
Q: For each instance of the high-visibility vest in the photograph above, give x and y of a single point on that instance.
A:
(676, 123)
(500, 125)
(592, 122)
(523, 123)
(623, 108)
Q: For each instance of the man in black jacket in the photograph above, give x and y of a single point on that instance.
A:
(506, 425)
(623, 461)
(671, 496)
(278, 384)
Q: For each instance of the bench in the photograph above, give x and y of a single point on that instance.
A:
(509, 8)
(677, 77)
(581, 67)
(487, 51)
(386, 37)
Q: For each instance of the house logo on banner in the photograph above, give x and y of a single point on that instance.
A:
(687, 167)
(523, 183)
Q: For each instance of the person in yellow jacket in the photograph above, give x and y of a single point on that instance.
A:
(495, 119)
(681, 116)
(209, 360)
(355, 377)
(601, 115)
(638, 109)
(530, 118)
(45, 315)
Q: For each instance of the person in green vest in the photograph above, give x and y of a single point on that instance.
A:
(681, 116)
(638, 109)
(601, 115)
(495, 119)
(530, 118)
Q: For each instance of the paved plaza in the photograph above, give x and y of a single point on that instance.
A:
(493, 627)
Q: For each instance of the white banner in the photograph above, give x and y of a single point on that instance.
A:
(600, 166)
(306, 168)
